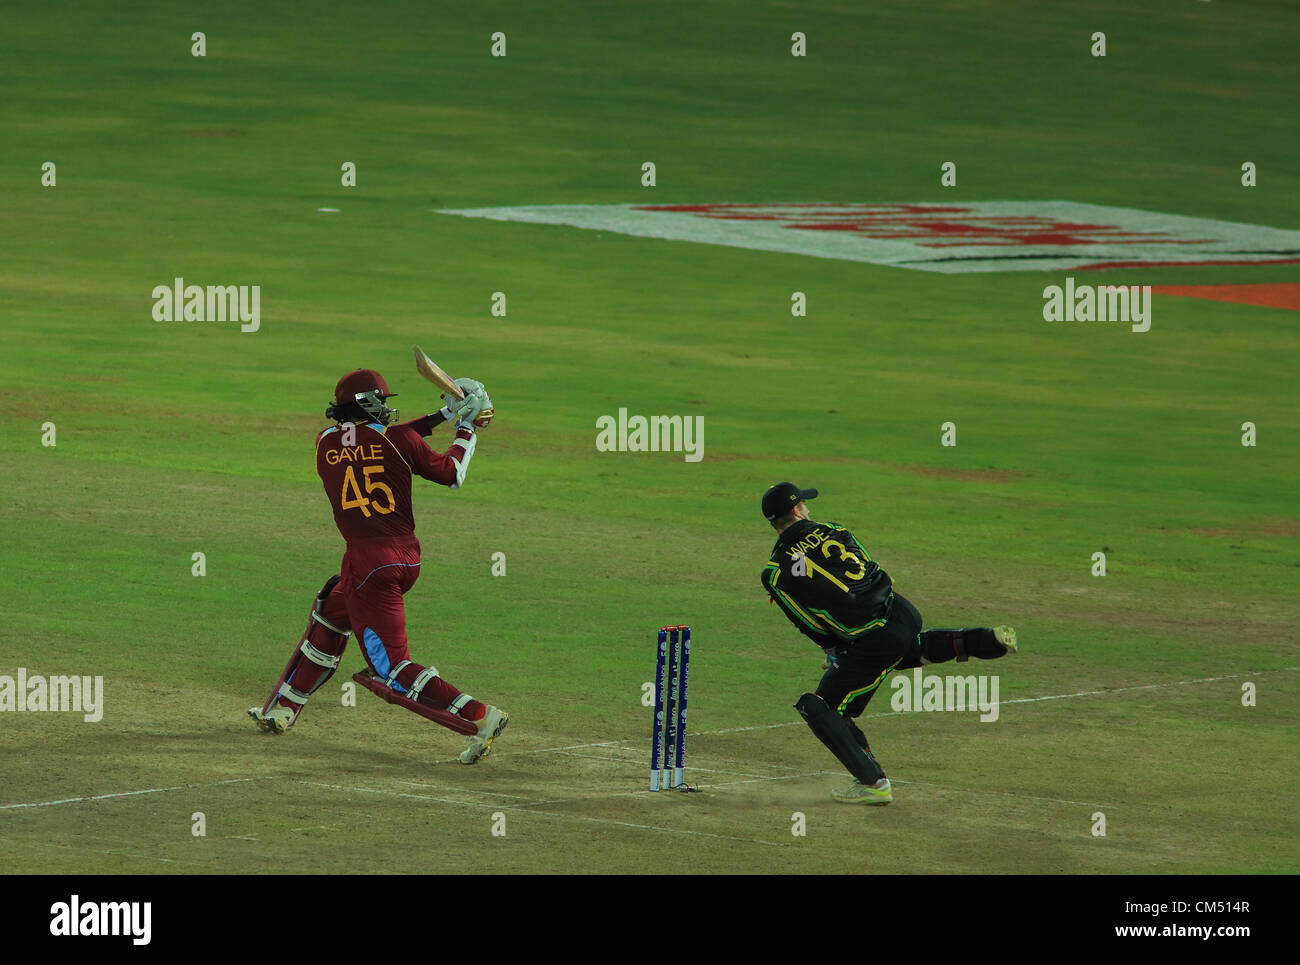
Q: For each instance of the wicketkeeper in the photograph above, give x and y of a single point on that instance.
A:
(837, 596)
(366, 465)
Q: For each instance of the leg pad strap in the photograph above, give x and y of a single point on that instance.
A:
(288, 693)
(320, 657)
(450, 721)
(315, 615)
(422, 678)
(392, 674)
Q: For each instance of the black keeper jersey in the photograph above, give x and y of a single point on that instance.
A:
(826, 584)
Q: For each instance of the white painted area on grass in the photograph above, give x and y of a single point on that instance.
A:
(959, 237)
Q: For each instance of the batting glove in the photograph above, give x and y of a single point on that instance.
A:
(486, 413)
(474, 403)
(469, 387)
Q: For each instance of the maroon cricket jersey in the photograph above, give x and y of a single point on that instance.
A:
(369, 482)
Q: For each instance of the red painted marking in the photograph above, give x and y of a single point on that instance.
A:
(1276, 295)
(954, 225)
(1184, 264)
(931, 226)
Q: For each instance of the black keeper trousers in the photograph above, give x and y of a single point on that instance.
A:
(863, 665)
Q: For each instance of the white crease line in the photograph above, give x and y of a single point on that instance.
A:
(105, 797)
(760, 780)
(899, 713)
(755, 779)
(707, 733)
(418, 797)
(132, 854)
(527, 801)
(463, 790)
(636, 763)
(941, 787)
(767, 764)
(549, 814)
(903, 713)
(97, 797)
(577, 747)
(1028, 797)
(1175, 683)
(740, 730)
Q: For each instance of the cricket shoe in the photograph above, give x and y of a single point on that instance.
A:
(858, 793)
(279, 720)
(489, 729)
(1007, 637)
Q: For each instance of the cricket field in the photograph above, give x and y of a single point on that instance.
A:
(1125, 497)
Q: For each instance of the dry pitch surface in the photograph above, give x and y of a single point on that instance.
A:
(348, 785)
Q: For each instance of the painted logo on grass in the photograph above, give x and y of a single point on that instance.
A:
(950, 238)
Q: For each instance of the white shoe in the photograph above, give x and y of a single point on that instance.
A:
(489, 729)
(279, 720)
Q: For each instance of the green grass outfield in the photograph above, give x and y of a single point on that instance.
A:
(181, 438)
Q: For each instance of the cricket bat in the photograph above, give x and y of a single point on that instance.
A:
(429, 369)
(450, 390)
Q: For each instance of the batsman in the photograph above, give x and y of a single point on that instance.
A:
(840, 598)
(366, 462)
